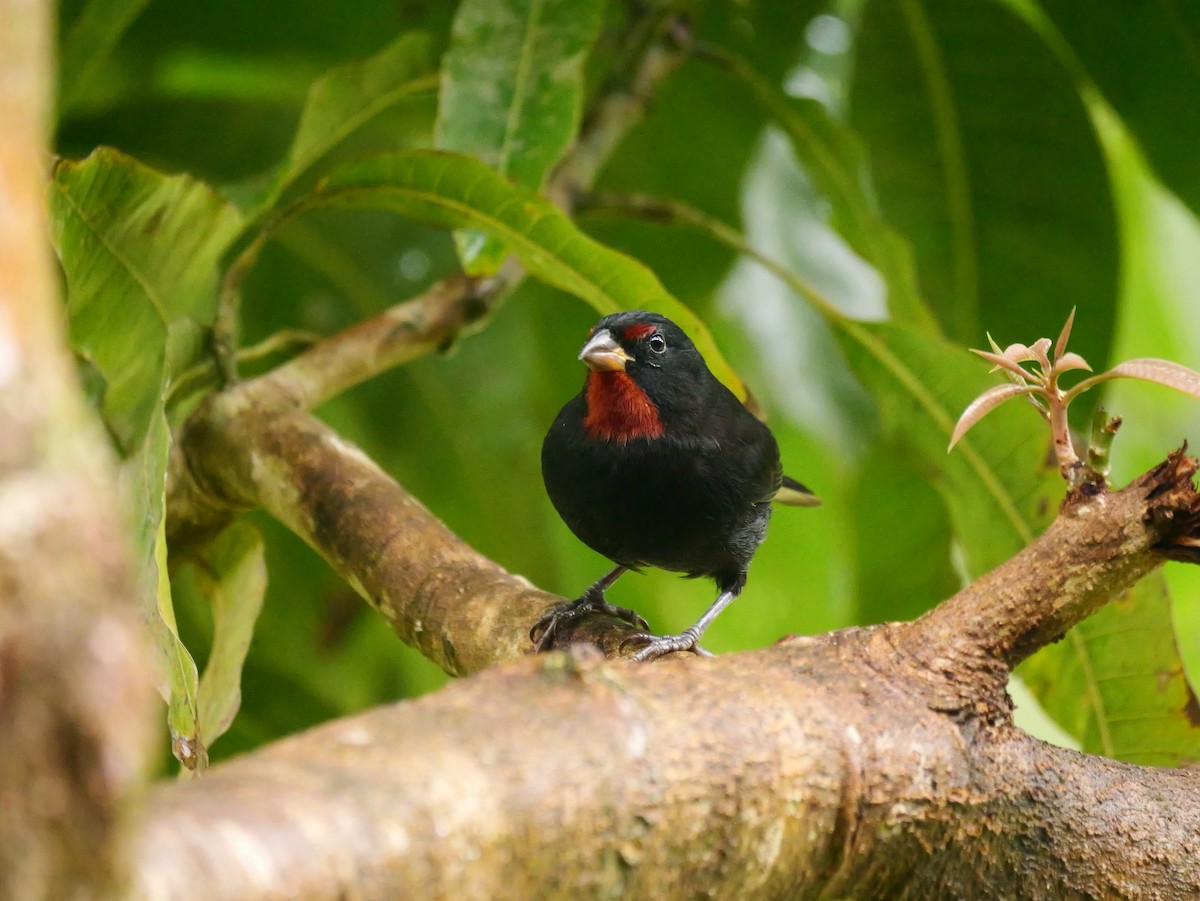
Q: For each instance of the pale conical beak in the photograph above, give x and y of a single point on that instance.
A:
(603, 354)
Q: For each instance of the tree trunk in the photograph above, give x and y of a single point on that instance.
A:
(73, 680)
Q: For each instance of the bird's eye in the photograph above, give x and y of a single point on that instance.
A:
(657, 343)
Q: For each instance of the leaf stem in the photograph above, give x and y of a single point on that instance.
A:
(671, 211)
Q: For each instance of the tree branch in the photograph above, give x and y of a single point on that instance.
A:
(1101, 543)
(824, 766)
(866, 763)
(455, 606)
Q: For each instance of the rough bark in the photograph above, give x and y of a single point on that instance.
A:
(73, 681)
(799, 771)
(867, 763)
(255, 446)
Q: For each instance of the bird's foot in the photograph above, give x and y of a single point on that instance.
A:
(660, 646)
(546, 628)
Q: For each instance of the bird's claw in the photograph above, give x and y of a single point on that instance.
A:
(662, 645)
(546, 628)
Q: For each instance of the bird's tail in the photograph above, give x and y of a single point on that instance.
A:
(794, 494)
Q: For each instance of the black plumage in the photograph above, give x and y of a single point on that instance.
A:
(656, 463)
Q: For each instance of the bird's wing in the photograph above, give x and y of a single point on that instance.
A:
(763, 461)
(759, 454)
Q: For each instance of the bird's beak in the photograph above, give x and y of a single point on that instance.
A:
(603, 354)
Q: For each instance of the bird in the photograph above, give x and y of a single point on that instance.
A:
(656, 463)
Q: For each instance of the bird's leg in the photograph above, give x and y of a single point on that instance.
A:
(689, 638)
(591, 601)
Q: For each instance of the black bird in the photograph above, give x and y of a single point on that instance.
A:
(656, 463)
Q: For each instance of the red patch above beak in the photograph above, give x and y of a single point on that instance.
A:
(618, 408)
(636, 332)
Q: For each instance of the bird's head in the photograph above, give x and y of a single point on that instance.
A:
(644, 372)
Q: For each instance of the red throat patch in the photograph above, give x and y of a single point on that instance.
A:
(618, 409)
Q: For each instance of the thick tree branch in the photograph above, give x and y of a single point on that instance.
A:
(1101, 543)
(816, 768)
(73, 684)
(440, 596)
(457, 607)
(865, 763)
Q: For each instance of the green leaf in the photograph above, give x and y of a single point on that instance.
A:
(833, 158)
(343, 100)
(140, 252)
(985, 157)
(992, 484)
(1146, 66)
(90, 39)
(512, 91)
(901, 536)
(232, 576)
(512, 82)
(143, 480)
(1125, 665)
(455, 191)
(183, 708)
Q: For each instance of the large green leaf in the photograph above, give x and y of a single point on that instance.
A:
(1125, 666)
(832, 157)
(512, 91)
(1144, 60)
(902, 535)
(984, 156)
(456, 191)
(140, 251)
(1116, 681)
(993, 487)
(345, 99)
(232, 576)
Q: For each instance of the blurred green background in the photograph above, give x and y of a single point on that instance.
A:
(1016, 148)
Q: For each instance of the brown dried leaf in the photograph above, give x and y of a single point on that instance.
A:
(1069, 361)
(1002, 362)
(1019, 353)
(1148, 369)
(984, 404)
(1040, 350)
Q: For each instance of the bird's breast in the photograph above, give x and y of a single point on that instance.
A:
(618, 409)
